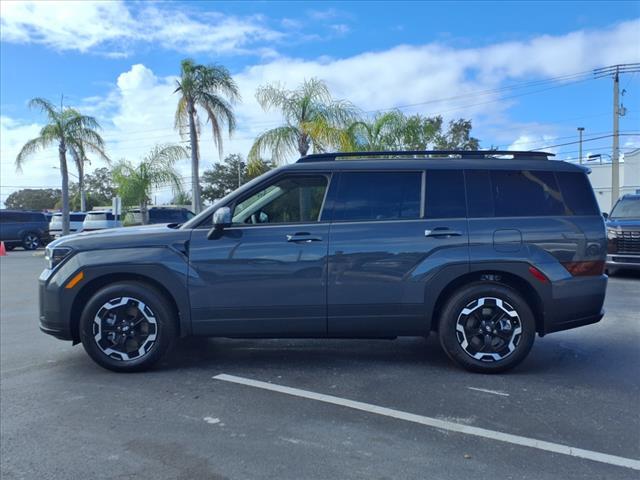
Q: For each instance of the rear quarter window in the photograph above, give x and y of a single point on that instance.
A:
(525, 193)
(577, 194)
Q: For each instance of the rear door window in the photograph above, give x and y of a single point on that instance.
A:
(365, 196)
(444, 194)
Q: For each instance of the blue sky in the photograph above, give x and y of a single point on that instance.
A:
(117, 61)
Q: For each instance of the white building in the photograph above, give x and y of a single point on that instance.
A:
(629, 178)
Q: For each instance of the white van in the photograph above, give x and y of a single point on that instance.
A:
(99, 220)
(76, 220)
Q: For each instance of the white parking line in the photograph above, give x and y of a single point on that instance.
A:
(440, 424)
(494, 392)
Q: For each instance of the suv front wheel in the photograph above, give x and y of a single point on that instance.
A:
(487, 327)
(127, 327)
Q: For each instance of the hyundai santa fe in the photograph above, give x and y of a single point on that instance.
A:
(485, 248)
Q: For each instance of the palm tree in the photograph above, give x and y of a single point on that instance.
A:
(135, 182)
(79, 156)
(213, 89)
(70, 130)
(312, 119)
(384, 132)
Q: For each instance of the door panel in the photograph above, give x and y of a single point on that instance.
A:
(378, 274)
(254, 281)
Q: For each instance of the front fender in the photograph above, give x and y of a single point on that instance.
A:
(161, 266)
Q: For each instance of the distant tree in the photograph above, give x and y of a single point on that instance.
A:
(100, 186)
(224, 177)
(396, 131)
(135, 182)
(457, 137)
(312, 119)
(213, 89)
(67, 129)
(33, 199)
(181, 198)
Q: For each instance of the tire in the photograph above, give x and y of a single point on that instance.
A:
(487, 327)
(140, 314)
(31, 241)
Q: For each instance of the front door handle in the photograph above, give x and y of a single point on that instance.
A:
(303, 237)
(442, 232)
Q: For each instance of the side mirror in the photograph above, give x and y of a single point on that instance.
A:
(605, 215)
(221, 220)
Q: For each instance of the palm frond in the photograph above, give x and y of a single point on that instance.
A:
(279, 141)
(29, 148)
(45, 106)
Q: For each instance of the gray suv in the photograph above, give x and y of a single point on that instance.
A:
(486, 248)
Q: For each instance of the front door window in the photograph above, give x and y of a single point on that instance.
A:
(294, 199)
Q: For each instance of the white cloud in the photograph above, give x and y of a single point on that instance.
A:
(37, 170)
(138, 110)
(111, 28)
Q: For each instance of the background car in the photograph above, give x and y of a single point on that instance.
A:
(29, 230)
(75, 226)
(623, 234)
(99, 220)
(159, 215)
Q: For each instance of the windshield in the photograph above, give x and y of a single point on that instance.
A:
(627, 208)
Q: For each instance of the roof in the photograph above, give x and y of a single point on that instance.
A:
(434, 159)
(438, 164)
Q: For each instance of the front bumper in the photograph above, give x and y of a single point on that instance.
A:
(623, 260)
(52, 321)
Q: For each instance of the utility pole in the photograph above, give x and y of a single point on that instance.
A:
(580, 130)
(614, 71)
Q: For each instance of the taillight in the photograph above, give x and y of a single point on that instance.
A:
(585, 269)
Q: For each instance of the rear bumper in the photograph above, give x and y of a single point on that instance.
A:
(623, 260)
(575, 302)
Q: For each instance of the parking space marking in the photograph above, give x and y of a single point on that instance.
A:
(494, 392)
(439, 424)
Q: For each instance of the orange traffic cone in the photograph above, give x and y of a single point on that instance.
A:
(3, 251)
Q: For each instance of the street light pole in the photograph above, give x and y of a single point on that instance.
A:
(580, 130)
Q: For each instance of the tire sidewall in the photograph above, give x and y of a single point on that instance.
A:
(24, 241)
(451, 312)
(164, 315)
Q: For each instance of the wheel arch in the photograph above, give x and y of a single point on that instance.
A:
(95, 284)
(494, 275)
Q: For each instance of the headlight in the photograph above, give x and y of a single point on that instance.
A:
(54, 256)
(612, 233)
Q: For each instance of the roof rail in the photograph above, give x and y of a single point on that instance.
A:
(333, 156)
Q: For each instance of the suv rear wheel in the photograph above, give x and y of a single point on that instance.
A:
(487, 327)
(127, 327)
(30, 241)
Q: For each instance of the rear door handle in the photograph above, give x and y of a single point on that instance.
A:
(442, 232)
(303, 237)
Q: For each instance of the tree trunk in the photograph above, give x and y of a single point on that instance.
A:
(144, 213)
(303, 144)
(196, 204)
(83, 194)
(62, 151)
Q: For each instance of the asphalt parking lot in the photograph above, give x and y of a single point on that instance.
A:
(63, 417)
